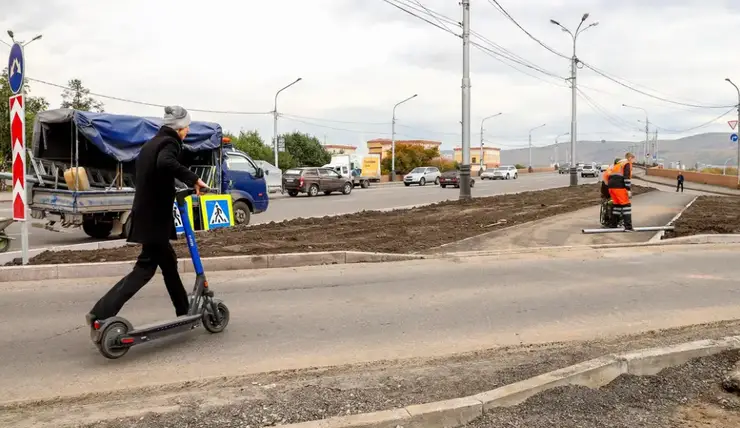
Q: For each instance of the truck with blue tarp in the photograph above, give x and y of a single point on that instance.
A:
(81, 169)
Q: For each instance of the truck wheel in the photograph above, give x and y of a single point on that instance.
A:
(97, 230)
(365, 184)
(242, 213)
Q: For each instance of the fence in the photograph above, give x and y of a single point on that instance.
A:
(728, 181)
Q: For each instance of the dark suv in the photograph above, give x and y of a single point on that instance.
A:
(311, 181)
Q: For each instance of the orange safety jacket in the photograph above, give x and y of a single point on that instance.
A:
(620, 175)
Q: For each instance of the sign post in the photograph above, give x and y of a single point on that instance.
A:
(16, 77)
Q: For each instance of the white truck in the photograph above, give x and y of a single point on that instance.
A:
(351, 167)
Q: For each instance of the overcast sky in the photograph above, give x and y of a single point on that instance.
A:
(358, 58)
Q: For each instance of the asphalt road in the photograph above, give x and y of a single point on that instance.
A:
(284, 208)
(326, 315)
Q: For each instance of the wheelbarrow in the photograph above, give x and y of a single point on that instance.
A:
(4, 238)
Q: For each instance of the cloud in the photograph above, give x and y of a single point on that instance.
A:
(358, 58)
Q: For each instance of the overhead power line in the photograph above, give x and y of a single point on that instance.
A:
(503, 11)
(144, 103)
(647, 94)
(693, 128)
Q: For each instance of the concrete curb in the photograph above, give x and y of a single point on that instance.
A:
(230, 263)
(592, 374)
(684, 240)
(659, 235)
(212, 264)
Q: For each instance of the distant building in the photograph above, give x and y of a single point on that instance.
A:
(381, 146)
(491, 157)
(340, 149)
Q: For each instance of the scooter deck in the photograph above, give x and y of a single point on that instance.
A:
(157, 327)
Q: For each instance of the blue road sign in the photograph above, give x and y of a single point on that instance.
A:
(16, 68)
(217, 211)
(733, 138)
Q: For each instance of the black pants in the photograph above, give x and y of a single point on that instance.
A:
(679, 186)
(625, 211)
(152, 255)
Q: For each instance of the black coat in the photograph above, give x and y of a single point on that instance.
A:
(157, 166)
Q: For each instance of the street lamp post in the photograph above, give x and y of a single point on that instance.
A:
(393, 137)
(275, 120)
(573, 73)
(647, 130)
(530, 144)
(557, 148)
(481, 137)
(738, 118)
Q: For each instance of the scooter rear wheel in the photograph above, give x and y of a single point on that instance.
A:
(109, 346)
(209, 320)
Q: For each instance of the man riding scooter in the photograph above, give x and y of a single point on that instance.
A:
(620, 191)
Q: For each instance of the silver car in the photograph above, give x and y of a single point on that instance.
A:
(422, 175)
(501, 173)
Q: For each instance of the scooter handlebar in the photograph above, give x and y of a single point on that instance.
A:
(181, 194)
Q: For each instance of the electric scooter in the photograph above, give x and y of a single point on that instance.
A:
(116, 335)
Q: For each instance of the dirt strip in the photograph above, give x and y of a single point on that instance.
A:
(295, 396)
(709, 215)
(399, 231)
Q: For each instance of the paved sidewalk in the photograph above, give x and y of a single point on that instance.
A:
(699, 187)
(651, 209)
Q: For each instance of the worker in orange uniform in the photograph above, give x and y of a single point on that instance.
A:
(620, 190)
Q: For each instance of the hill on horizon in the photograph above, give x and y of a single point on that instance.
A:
(709, 148)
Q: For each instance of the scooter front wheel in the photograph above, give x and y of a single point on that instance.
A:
(108, 345)
(209, 319)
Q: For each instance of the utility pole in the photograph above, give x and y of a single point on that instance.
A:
(465, 167)
(275, 120)
(738, 118)
(530, 145)
(481, 137)
(574, 88)
(393, 137)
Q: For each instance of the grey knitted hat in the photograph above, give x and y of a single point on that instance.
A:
(176, 117)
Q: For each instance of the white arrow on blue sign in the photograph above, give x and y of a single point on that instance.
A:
(733, 138)
(16, 68)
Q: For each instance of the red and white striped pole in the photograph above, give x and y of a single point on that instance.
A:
(18, 145)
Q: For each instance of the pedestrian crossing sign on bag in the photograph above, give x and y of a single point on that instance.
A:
(216, 211)
(178, 219)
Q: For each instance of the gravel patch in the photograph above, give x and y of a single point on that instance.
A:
(628, 401)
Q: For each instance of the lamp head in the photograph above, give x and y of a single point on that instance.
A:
(585, 17)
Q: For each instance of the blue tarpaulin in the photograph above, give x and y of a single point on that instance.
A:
(117, 136)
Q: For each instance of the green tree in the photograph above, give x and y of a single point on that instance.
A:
(251, 143)
(33, 106)
(78, 97)
(305, 150)
(409, 157)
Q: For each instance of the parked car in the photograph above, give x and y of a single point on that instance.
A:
(422, 175)
(452, 178)
(564, 169)
(589, 171)
(604, 167)
(506, 172)
(311, 181)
